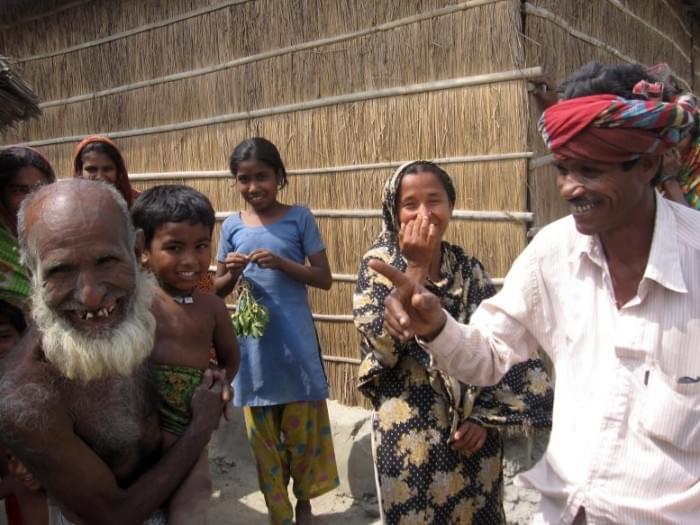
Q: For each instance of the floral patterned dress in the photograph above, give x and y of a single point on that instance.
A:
(418, 408)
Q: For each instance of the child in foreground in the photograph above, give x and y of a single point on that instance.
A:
(178, 222)
(281, 385)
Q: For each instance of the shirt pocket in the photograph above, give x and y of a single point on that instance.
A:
(670, 412)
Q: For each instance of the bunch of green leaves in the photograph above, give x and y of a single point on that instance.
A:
(250, 317)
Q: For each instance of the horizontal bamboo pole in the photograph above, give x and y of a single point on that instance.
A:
(352, 277)
(675, 15)
(619, 5)
(544, 160)
(338, 318)
(589, 39)
(270, 54)
(340, 359)
(211, 174)
(411, 89)
(473, 215)
(135, 31)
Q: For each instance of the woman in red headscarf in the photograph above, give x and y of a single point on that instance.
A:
(98, 158)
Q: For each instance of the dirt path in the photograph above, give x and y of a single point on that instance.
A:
(236, 499)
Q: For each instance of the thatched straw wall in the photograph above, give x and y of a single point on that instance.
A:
(561, 36)
(347, 89)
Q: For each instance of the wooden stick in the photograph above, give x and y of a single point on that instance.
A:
(411, 89)
(564, 25)
(342, 318)
(340, 359)
(352, 277)
(272, 53)
(537, 163)
(677, 17)
(619, 5)
(474, 215)
(134, 31)
(211, 174)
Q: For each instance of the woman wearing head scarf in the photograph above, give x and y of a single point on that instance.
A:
(98, 158)
(437, 443)
(22, 170)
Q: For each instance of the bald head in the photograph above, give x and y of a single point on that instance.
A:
(72, 205)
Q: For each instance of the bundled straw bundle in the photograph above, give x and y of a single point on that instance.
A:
(17, 101)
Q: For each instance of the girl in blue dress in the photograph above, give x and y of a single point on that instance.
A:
(281, 382)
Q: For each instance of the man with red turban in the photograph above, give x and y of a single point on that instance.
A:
(612, 294)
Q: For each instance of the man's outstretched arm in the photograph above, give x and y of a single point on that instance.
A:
(479, 353)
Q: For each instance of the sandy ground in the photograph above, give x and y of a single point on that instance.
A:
(236, 499)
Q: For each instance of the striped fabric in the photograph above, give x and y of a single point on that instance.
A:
(612, 129)
(625, 441)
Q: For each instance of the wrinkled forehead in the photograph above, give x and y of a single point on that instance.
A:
(60, 216)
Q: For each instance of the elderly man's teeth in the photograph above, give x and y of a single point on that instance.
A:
(581, 208)
(111, 308)
(89, 315)
(102, 312)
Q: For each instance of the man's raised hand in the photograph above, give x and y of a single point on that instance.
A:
(410, 308)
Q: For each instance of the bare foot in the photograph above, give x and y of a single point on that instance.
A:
(303, 512)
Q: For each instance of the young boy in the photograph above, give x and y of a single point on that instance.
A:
(177, 222)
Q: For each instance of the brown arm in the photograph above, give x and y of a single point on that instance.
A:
(225, 340)
(77, 478)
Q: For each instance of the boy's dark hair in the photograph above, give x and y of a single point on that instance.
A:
(15, 158)
(618, 79)
(171, 203)
(13, 315)
(258, 148)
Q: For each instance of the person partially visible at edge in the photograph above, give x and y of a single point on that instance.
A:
(177, 222)
(22, 170)
(612, 294)
(79, 408)
(98, 158)
(25, 501)
(680, 177)
(281, 383)
(437, 443)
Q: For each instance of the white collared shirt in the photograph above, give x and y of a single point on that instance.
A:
(625, 442)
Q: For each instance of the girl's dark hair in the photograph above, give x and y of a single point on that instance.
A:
(260, 149)
(13, 315)
(171, 203)
(446, 181)
(618, 79)
(15, 158)
(100, 147)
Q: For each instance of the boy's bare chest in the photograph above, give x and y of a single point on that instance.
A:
(184, 337)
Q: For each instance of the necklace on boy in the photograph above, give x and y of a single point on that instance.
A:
(183, 299)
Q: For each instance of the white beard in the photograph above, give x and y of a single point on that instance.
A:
(84, 356)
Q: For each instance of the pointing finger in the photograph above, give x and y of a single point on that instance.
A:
(395, 276)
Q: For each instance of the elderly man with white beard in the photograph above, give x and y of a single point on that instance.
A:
(78, 402)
